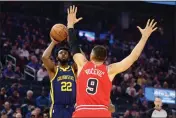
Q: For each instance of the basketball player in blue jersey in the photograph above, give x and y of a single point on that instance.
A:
(62, 79)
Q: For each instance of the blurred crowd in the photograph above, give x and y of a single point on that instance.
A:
(26, 37)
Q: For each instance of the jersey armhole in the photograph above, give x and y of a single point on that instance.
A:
(107, 69)
(74, 71)
(57, 69)
(78, 73)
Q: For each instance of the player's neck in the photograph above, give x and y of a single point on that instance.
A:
(63, 65)
(96, 62)
(158, 108)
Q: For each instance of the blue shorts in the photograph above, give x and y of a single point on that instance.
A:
(62, 111)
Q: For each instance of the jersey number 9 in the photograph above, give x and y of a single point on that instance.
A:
(66, 86)
(92, 85)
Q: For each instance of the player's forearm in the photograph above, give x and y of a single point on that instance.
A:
(73, 42)
(138, 49)
(47, 52)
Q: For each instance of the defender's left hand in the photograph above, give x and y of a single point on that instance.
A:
(150, 27)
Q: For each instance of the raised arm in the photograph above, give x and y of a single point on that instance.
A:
(78, 57)
(123, 65)
(48, 63)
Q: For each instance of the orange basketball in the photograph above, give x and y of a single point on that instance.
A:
(59, 32)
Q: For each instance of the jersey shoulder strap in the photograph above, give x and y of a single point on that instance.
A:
(57, 70)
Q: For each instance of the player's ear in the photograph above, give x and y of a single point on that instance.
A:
(105, 58)
(154, 103)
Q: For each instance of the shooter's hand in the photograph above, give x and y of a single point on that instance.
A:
(53, 41)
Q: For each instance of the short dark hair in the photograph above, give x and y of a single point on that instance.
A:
(158, 97)
(100, 52)
(61, 48)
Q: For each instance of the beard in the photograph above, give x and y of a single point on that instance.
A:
(63, 61)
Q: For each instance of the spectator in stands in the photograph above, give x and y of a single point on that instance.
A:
(12, 88)
(7, 110)
(144, 107)
(140, 79)
(18, 73)
(34, 63)
(45, 115)
(157, 85)
(113, 94)
(20, 41)
(6, 48)
(23, 52)
(42, 101)
(133, 112)
(131, 90)
(41, 73)
(29, 113)
(120, 98)
(18, 115)
(165, 85)
(40, 115)
(18, 111)
(15, 98)
(149, 81)
(35, 113)
(38, 110)
(15, 86)
(140, 97)
(3, 114)
(3, 96)
(136, 86)
(8, 73)
(3, 36)
(124, 83)
(29, 98)
(21, 89)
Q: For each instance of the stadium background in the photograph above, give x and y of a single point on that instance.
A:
(24, 35)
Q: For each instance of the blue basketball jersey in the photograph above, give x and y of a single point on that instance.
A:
(63, 87)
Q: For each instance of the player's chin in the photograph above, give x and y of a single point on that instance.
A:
(64, 60)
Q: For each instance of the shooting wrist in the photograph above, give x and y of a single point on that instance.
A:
(53, 43)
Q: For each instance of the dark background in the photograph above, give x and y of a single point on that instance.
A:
(93, 12)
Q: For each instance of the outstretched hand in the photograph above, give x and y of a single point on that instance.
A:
(149, 28)
(71, 17)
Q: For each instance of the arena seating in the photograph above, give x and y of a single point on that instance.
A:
(24, 38)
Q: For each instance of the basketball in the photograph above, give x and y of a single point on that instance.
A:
(59, 32)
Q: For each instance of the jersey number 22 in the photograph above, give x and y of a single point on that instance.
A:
(66, 86)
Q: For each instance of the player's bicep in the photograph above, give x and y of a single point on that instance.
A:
(121, 66)
(79, 59)
(49, 64)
